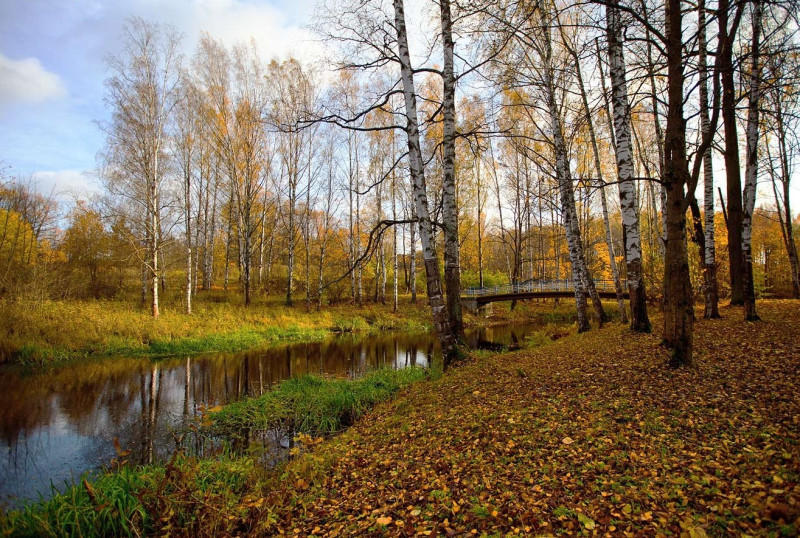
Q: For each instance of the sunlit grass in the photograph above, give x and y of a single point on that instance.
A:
(43, 331)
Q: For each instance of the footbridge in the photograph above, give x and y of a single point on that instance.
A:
(474, 298)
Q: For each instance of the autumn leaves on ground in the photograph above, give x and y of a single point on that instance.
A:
(591, 434)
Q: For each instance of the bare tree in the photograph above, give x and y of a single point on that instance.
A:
(142, 92)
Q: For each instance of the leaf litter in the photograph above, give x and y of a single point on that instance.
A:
(599, 437)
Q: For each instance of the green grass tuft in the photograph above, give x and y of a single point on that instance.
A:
(134, 501)
(312, 405)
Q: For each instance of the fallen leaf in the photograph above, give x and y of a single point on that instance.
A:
(587, 522)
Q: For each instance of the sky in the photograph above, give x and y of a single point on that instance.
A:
(53, 67)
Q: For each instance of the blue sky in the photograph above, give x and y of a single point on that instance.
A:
(52, 68)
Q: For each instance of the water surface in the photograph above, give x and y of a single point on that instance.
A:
(59, 422)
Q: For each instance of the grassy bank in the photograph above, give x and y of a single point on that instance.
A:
(208, 496)
(37, 332)
(136, 501)
(312, 405)
(42, 331)
(592, 434)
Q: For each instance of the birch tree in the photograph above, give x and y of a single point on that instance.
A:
(751, 165)
(563, 175)
(452, 266)
(441, 320)
(599, 172)
(142, 92)
(627, 189)
(709, 252)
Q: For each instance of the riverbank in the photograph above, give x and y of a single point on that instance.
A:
(591, 434)
(39, 332)
(191, 492)
(46, 331)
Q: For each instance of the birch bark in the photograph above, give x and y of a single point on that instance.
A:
(564, 178)
(627, 189)
(452, 270)
(751, 170)
(711, 292)
(603, 201)
(440, 318)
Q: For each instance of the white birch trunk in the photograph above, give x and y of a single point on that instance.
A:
(709, 255)
(452, 270)
(564, 181)
(440, 317)
(751, 167)
(603, 201)
(627, 188)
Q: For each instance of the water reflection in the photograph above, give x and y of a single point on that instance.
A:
(59, 422)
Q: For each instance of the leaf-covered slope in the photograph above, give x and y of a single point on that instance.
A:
(591, 434)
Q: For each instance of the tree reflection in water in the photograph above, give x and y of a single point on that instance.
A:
(62, 421)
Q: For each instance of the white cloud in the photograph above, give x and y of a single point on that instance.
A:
(66, 184)
(27, 81)
(275, 28)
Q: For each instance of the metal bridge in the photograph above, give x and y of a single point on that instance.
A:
(531, 289)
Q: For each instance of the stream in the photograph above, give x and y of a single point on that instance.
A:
(60, 421)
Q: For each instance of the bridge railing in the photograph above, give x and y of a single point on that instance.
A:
(536, 286)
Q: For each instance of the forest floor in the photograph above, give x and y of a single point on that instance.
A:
(591, 434)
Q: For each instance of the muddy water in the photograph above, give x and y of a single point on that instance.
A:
(59, 422)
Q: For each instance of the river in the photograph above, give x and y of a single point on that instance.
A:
(60, 421)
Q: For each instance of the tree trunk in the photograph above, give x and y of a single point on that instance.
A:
(228, 239)
(351, 224)
(291, 232)
(732, 171)
(678, 300)
(452, 269)
(413, 261)
(440, 318)
(565, 188)
(188, 226)
(480, 218)
(307, 235)
(603, 202)
(751, 170)
(210, 240)
(627, 189)
(394, 235)
(154, 246)
(711, 292)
